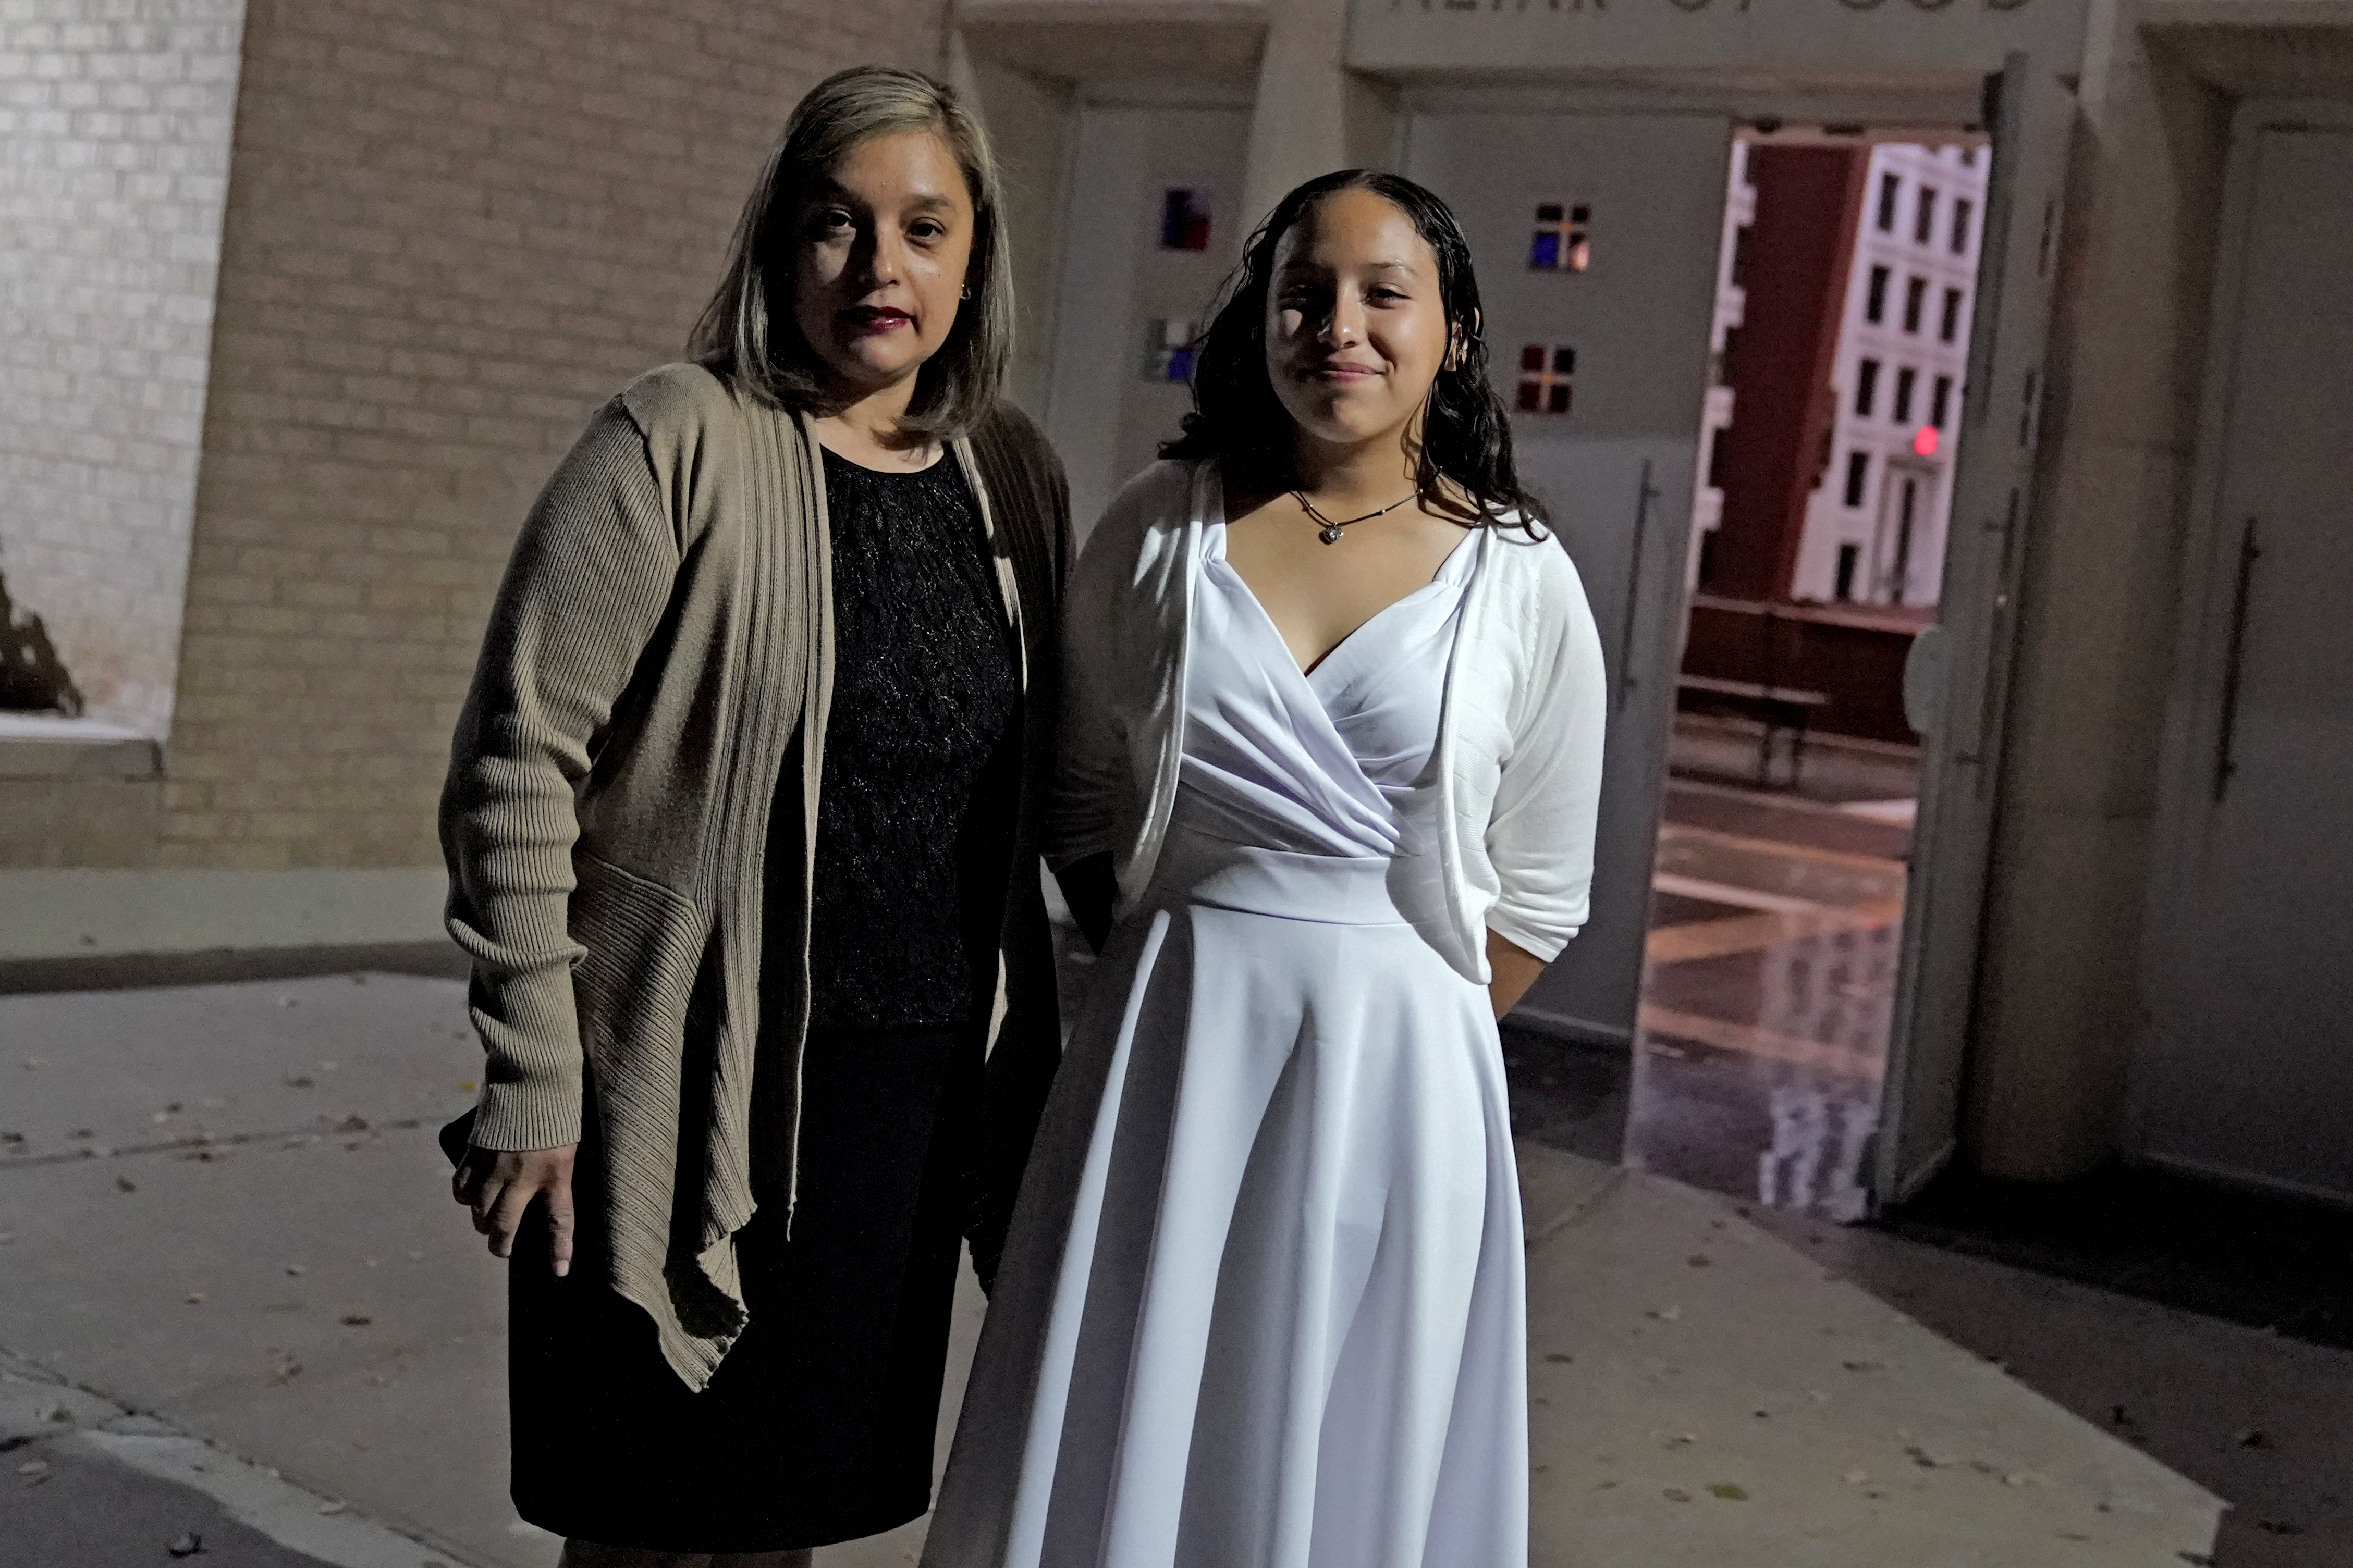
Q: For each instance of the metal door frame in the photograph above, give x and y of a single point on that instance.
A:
(1985, 554)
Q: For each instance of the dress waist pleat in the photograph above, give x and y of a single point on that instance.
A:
(1200, 867)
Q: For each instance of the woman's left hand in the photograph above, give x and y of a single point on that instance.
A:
(498, 1185)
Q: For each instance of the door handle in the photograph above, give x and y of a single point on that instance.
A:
(1633, 586)
(1926, 668)
(2234, 663)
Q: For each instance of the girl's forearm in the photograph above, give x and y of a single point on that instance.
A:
(1514, 969)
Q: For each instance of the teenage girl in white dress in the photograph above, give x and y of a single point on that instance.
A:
(1332, 746)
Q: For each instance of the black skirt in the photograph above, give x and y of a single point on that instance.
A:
(819, 1423)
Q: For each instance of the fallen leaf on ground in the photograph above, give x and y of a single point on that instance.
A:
(186, 1546)
(1729, 1491)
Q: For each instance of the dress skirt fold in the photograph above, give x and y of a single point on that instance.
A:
(1265, 1303)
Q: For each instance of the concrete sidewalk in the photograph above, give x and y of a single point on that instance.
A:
(227, 1223)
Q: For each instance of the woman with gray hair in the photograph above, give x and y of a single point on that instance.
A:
(741, 823)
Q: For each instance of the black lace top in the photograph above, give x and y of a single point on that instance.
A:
(922, 757)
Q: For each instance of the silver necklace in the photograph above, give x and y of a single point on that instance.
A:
(1330, 532)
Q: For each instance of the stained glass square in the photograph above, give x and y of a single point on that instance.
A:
(1184, 220)
(1543, 251)
(1559, 404)
(1563, 360)
(1548, 213)
(1532, 357)
(1532, 396)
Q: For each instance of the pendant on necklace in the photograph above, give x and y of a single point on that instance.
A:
(1330, 534)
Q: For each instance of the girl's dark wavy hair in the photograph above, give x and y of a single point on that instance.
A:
(1466, 433)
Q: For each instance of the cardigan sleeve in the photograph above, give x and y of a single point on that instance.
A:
(1540, 838)
(584, 592)
(1094, 776)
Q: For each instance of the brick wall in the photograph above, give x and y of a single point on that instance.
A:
(454, 227)
(114, 139)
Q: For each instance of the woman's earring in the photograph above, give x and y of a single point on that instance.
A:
(964, 292)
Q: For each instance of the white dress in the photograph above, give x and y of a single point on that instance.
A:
(1263, 1305)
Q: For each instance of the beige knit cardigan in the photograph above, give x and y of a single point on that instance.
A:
(662, 640)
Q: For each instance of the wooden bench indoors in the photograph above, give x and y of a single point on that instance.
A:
(1777, 708)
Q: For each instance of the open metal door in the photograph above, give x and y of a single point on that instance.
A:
(1957, 683)
(1598, 238)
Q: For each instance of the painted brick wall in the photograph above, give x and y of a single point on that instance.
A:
(114, 139)
(454, 227)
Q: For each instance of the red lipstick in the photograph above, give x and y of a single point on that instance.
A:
(877, 317)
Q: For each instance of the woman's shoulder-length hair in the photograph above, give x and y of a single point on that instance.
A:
(748, 333)
(1463, 465)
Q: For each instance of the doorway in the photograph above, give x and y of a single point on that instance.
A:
(1773, 951)
(1746, 951)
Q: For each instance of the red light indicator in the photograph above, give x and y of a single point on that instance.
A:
(1924, 441)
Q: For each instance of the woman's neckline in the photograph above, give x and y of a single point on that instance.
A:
(1451, 579)
(886, 473)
